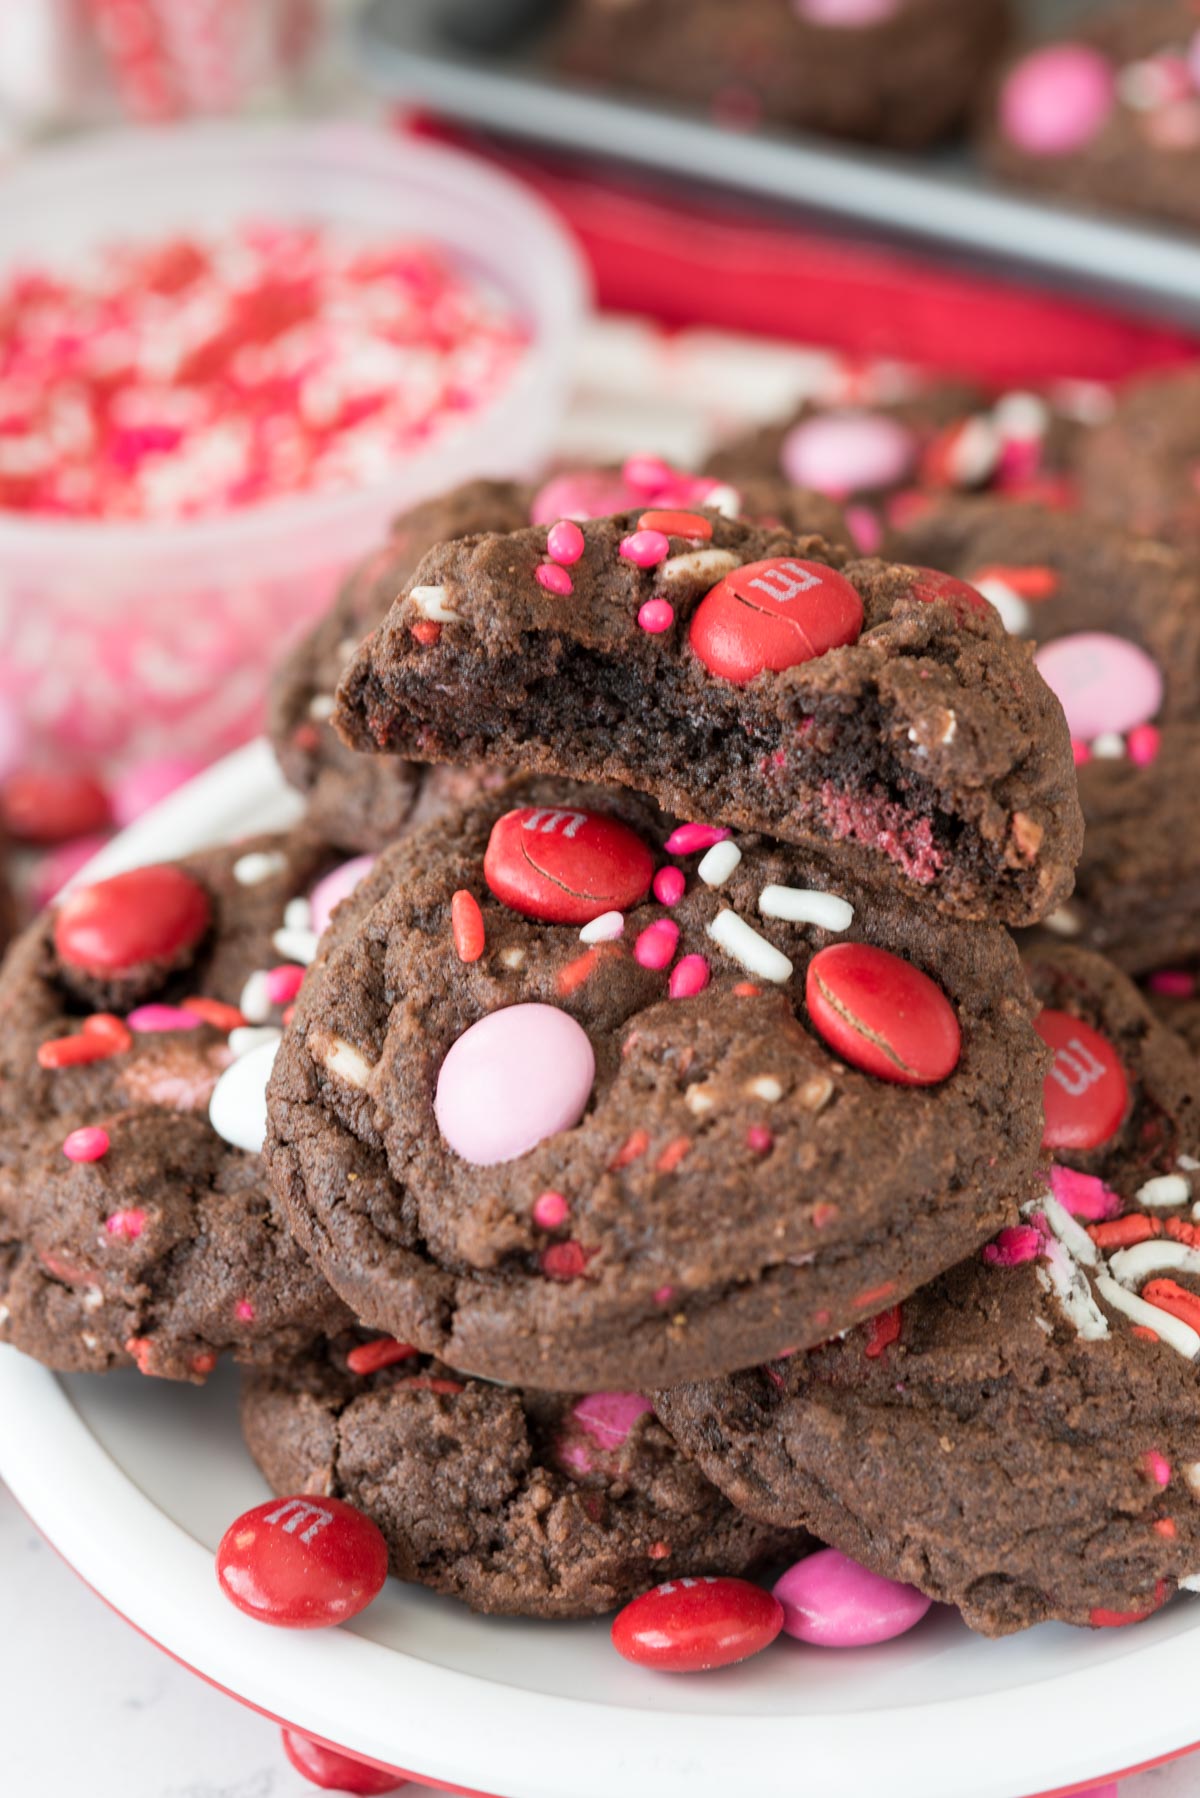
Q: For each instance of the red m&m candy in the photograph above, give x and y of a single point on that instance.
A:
(302, 1563)
(882, 1015)
(774, 615)
(333, 1771)
(149, 914)
(40, 806)
(565, 867)
(1086, 1092)
(931, 585)
(692, 1625)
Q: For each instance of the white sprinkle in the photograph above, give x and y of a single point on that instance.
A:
(1165, 1189)
(698, 1100)
(1022, 416)
(697, 565)
(341, 1058)
(1196, 1212)
(88, 1341)
(296, 945)
(718, 863)
(1064, 922)
(1188, 1163)
(255, 1002)
(321, 707)
(511, 958)
(1172, 1330)
(431, 603)
(5, 1314)
(1131, 1266)
(237, 1110)
(1108, 747)
(1059, 1275)
(347, 648)
(259, 865)
(251, 1036)
(604, 929)
(1014, 613)
(806, 905)
(766, 1088)
(1073, 1236)
(93, 1298)
(725, 500)
(975, 452)
(1190, 1584)
(1142, 86)
(750, 950)
(1043, 1324)
(1191, 1474)
(297, 914)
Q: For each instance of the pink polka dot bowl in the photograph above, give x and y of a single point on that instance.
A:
(123, 637)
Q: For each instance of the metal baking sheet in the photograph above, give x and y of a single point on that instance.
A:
(476, 62)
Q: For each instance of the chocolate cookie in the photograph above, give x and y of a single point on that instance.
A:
(137, 1022)
(563, 1111)
(365, 802)
(1021, 1438)
(1109, 117)
(535, 1504)
(1117, 621)
(897, 72)
(742, 673)
(1142, 469)
(888, 459)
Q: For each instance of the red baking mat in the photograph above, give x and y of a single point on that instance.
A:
(687, 261)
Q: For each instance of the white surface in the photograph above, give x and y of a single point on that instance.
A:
(134, 1482)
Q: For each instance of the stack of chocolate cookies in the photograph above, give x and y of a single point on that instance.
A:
(667, 1157)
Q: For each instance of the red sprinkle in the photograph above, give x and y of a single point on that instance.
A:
(128, 1224)
(746, 989)
(1102, 1619)
(243, 1310)
(203, 1362)
(673, 1154)
(882, 1331)
(1123, 1232)
(760, 1139)
(140, 1349)
(550, 1210)
(466, 923)
(569, 979)
(383, 1351)
(631, 1149)
(656, 616)
(1143, 744)
(564, 541)
(221, 1017)
(1034, 581)
(100, 1036)
(645, 548)
(677, 524)
(669, 886)
(874, 1296)
(554, 579)
(426, 630)
(823, 1214)
(87, 1144)
(689, 977)
(565, 1261)
(1156, 1468)
(656, 944)
(1169, 1296)
(283, 983)
(690, 839)
(1165, 1526)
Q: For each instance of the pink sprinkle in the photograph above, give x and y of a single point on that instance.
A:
(688, 977)
(244, 1310)
(564, 541)
(664, 1295)
(88, 1144)
(554, 579)
(1158, 1468)
(1080, 751)
(656, 945)
(760, 1139)
(550, 1210)
(283, 983)
(1173, 983)
(656, 616)
(647, 474)
(129, 1224)
(608, 1417)
(1143, 743)
(866, 528)
(1083, 1195)
(646, 548)
(152, 1018)
(669, 886)
(688, 839)
(1020, 1242)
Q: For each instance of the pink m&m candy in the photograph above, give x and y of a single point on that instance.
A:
(882, 1015)
(149, 914)
(845, 15)
(302, 1563)
(335, 886)
(565, 867)
(831, 1601)
(692, 1625)
(774, 615)
(1058, 99)
(332, 1771)
(1104, 683)
(609, 1416)
(1085, 1094)
(514, 1078)
(586, 494)
(839, 453)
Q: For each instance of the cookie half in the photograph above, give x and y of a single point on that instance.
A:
(137, 1022)
(1022, 1437)
(533, 1504)
(581, 1100)
(741, 673)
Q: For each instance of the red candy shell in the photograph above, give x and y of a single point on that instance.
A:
(931, 584)
(302, 1563)
(149, 914)
(882, 1015)
(43, 807)
(336, 1772)
(1085, 1093)
(774, 615)
(691, 1625)
(565, 867)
